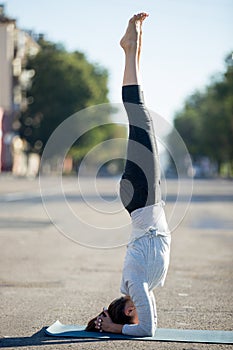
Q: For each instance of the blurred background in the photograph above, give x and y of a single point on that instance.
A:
(62, 57)
(57, 58)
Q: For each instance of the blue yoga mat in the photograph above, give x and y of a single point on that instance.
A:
(162, 334)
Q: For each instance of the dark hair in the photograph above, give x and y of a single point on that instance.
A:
(116, 312)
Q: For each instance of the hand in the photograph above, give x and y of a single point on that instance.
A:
(104, 323)
(107, 324)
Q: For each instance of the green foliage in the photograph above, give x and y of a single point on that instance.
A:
(64, 83)
(101, 153)
(206, 121)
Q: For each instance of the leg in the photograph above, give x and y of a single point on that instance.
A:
(131, 44)
(140, 181)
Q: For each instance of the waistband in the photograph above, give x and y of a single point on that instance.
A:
(151, 233)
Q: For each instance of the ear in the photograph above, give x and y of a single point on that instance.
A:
(128, 310)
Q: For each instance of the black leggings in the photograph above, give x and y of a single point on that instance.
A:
(140, 182)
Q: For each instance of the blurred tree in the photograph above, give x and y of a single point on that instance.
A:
(64, 83)
(110, 152)
(206, 121)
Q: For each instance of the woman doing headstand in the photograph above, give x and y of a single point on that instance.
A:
(147, 257)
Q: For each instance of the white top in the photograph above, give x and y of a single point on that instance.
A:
(145, 266)
(149, 219)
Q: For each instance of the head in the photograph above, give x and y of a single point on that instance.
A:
(121, 311)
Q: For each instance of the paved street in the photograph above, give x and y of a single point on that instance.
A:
(68, 269)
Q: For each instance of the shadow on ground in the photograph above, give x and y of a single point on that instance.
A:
(41, 339)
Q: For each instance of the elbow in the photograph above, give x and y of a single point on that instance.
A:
(148, 331)
(151, 333)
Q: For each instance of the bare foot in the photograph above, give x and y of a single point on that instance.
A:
(131, 41)
(140, 41)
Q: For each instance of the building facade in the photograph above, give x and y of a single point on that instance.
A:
(15, 47)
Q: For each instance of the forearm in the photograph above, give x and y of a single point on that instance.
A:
(138, 330)
(146, 310)
(113, 328)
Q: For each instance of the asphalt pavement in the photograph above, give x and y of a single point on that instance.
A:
(62, 251)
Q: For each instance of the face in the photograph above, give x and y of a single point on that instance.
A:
(130, 310)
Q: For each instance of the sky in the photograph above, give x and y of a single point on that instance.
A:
(184, 41)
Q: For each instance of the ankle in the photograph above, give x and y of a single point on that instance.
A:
(130, 47)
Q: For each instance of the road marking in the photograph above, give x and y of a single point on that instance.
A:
(17, 196)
